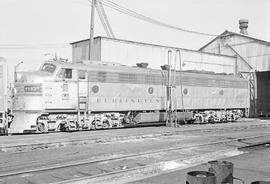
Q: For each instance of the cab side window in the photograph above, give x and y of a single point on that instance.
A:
(65, 73)
(68, 74)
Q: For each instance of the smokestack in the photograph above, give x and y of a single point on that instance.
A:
(243, 25)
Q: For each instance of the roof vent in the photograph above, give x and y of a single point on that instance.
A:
(243, 25)
(142, 65)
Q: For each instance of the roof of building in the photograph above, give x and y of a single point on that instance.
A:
(149, 44)
(229, 33)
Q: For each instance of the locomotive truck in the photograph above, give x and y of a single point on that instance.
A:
(93, 94)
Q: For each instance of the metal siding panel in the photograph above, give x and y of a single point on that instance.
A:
(131, 53)
(256, 53)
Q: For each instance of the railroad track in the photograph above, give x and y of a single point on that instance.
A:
(85, 141)
(128, 166)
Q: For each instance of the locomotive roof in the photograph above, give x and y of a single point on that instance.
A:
(112, 67)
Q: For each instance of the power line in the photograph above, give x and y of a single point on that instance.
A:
(137, 15)
(33, 46)
(259, 55)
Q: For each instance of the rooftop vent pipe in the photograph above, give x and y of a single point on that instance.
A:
(243, 25)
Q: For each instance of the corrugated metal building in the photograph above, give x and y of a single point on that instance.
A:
(255, 53)
(253, 62)
(129, 53)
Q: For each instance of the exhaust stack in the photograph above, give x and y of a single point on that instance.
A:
(243, 25)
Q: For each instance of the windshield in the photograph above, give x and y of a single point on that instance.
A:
(47, 67)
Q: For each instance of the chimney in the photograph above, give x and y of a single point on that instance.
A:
(243, 25)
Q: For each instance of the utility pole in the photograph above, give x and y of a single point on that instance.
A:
(91, 40)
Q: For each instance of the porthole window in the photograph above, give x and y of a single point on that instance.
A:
(150, 90)
(185, 91)
(95, 89)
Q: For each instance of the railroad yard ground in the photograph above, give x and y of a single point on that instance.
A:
(252, 166)
(136, 155)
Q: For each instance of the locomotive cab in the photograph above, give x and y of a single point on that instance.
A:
(54, 89)
(28, 101)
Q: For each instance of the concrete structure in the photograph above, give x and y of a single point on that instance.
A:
(129, 53)
(253, 57)
(3, 95)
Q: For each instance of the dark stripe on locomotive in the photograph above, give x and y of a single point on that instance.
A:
(154, 79)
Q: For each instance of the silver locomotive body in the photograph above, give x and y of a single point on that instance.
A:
(74, 96)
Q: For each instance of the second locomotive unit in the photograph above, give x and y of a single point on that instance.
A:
(74, 96)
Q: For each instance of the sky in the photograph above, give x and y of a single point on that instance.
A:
(33, 31)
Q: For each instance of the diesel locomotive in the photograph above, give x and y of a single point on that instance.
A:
(93, 94)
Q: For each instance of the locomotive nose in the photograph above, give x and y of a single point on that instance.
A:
(33, 77)
(27, 101)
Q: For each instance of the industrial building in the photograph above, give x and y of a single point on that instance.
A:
(253, 62)
(230, 53)
(129, 53)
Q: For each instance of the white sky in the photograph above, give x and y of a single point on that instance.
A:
(35, 22)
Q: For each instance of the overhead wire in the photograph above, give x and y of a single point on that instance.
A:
(137, 15)
(33, 46)
(102, 21)
(111, 5)
(259, 55)
(105, 18)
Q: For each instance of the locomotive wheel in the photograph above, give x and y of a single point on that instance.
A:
(93, 125)
(105, 124)
(41, 128)
(198, 120)
(61, 127)
(97, 125)
(67, 128)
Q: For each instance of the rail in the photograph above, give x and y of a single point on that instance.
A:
(136, 156)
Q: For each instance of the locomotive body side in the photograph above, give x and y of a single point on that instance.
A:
(196, 91)
(69, 96)
(125, 89)
(145, 89)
